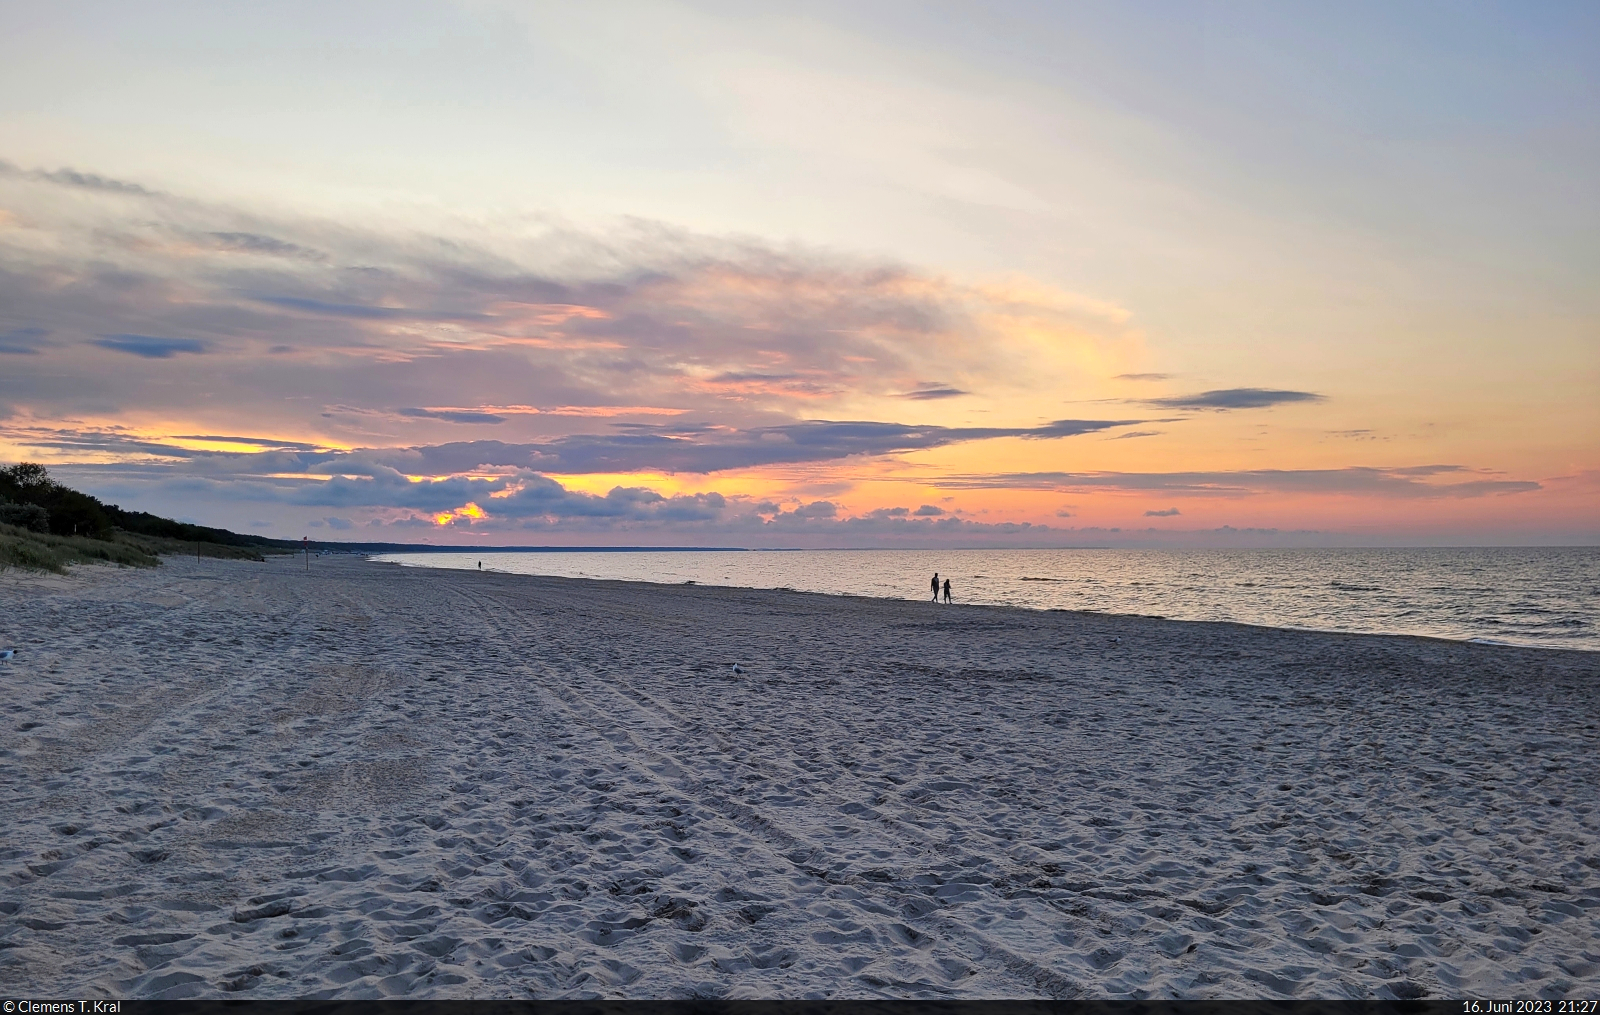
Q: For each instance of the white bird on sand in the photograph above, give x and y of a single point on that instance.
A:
(6, 653)
(737, 668)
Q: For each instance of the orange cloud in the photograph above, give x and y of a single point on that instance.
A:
(470, 511)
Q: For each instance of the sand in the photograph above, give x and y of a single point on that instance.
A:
(245, 780)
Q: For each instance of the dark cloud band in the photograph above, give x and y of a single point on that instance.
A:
(702, 449)
(1232, 398)
(640, 447)
(150, 347)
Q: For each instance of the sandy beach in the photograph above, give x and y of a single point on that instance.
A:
(249, 780)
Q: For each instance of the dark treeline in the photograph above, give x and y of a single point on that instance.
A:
(31, 499)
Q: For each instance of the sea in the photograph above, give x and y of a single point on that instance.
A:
(1545, 597)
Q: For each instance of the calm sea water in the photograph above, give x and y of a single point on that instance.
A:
(1520, 596)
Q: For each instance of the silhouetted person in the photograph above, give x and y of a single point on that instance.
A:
(480, 565)
(935, 585)
(947, 590)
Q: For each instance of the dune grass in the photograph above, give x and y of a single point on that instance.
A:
(41, 551)
(165, 546)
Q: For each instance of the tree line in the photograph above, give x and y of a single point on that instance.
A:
(31, 499)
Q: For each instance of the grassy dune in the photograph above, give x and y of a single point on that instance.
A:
(42, 551)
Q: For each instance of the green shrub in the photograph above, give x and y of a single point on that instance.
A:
(25, 516)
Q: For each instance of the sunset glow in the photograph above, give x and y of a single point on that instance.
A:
(690, 277)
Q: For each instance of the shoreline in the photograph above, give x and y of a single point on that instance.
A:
(246, 780)
(372, 558)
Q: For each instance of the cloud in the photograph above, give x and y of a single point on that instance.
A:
(91, 181)
(1060, 428)
(150, 347)
(119, 441)
(1135, 433)
(529, 501)
(1408, 482)
(362, 311)
(75, 179)
(453, 415)
(261, 442)
(583, 411)
(729, 329)
(146, 452)
(576, 348)
(638, 447)
(1235, 398)
(1168, 513)
(23, 341)
(934, 392)
(256, 243)
(695, 448)
(520, 498)
(816, 509)
(704, 448)
(544, 498)
(1359, 435)
(643, 349)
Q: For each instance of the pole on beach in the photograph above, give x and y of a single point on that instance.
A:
(307, 541)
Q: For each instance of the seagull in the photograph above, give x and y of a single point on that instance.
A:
(737, 668)
(6, 653)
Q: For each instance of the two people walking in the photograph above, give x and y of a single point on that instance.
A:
(934, 585)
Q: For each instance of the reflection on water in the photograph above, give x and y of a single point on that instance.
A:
(1522, 596)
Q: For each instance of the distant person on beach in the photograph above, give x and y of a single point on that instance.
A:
(946, 590)
(480, 565)
(935, 584)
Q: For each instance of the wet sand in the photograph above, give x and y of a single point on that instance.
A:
(244, 780)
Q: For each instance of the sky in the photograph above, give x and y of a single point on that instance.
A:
(834, 274)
